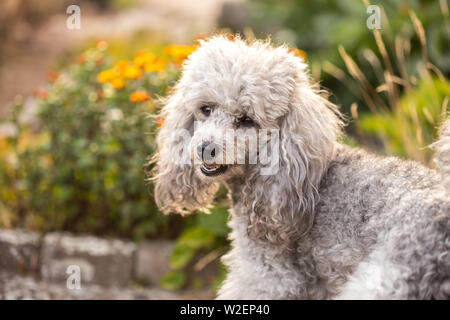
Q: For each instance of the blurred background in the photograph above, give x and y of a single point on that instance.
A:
(78, 106)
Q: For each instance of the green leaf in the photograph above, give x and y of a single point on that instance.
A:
(222, 273)
(216, 222)
(197, 237)
(173, 280)
(181, 256)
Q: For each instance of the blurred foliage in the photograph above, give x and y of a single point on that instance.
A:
(413, 125)
(395, 84)
(407, 98)
(200, 244)
(320, 26)
(81, 169)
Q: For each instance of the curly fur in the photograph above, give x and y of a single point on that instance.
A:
(333, 222)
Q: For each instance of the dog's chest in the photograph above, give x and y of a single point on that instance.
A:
(325, 267)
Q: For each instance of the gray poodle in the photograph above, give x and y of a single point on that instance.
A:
(316, 219)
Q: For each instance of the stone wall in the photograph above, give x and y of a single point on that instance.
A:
(105, 262)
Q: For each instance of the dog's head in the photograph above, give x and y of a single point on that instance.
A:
(250, 111)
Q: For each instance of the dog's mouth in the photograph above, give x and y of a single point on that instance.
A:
(212, 169)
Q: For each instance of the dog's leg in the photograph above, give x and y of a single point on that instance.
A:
(375, 278)
(254, 277)
(257, 270)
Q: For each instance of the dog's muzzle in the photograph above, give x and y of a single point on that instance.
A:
(209, 152)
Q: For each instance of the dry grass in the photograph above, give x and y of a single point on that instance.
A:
(406, 106)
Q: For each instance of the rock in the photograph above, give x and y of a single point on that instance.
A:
(152, 260)
(106, 268)
(13, 287)
(65, 257)
(19, 251)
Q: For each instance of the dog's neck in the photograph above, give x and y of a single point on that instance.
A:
(235, 185)
(240, 187)
(277, 209)
(254, 200)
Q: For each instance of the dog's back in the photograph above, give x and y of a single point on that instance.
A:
(382, 223)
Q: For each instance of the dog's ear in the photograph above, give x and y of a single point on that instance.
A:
(283, 204)
(178, 189)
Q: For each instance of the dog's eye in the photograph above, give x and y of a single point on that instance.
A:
(246, 122)
(206, 110)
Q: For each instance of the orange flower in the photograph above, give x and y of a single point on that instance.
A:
(144, 58)
(179, 52)
(81, 58)
(298, 53)
(122, 69)
(121, 66)
(40, 93)
(101, 44)
(118, 83)
(132, 72)
(231, 37)
(156, 65)
(106, 75)
(126, 70)
(139, 96)
(159, 121)
(52, 76)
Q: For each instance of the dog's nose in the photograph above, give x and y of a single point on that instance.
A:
(207, 150)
